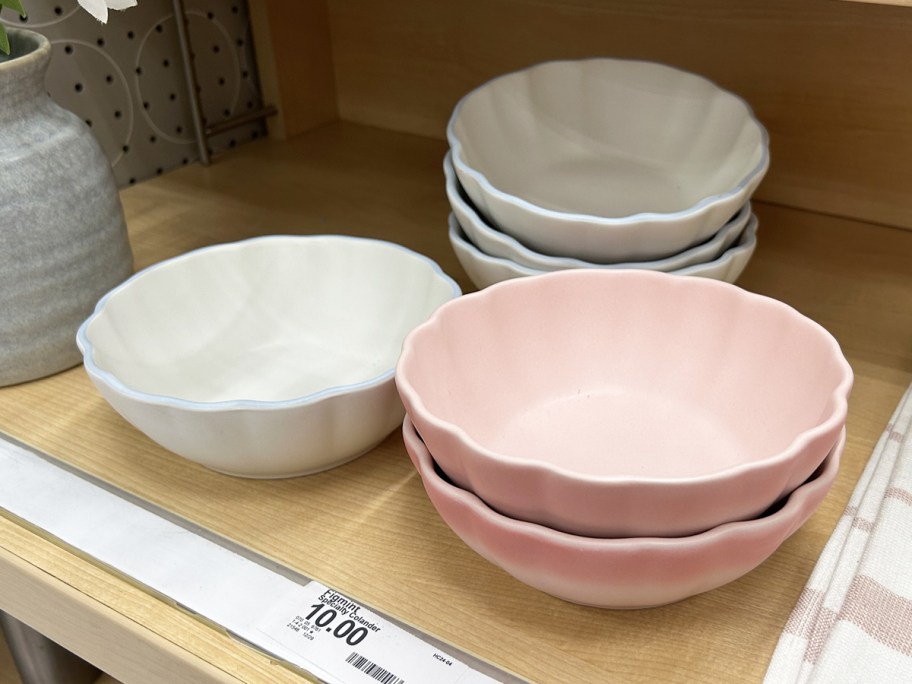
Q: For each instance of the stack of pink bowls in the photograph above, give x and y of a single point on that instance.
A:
(603, 164)
(623, 438)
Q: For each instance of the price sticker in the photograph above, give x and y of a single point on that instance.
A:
(339, 639)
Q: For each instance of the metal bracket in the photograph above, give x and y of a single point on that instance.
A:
(201, 130)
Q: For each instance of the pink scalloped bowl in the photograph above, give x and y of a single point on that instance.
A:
(624, 403)
(619, 573)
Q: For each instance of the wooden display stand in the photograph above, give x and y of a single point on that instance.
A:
(364, 91)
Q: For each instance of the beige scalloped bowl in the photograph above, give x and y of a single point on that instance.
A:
(607, 159)
(268, 357)
(624, 403)
(619, 573)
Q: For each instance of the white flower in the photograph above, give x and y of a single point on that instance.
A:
(99, 8)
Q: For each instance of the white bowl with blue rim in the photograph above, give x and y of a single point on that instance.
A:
(269, 357)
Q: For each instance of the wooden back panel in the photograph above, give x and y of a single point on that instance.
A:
(830, 80)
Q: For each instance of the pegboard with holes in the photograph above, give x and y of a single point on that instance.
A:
(126, 78)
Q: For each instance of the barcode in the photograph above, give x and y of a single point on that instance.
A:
(373, 670)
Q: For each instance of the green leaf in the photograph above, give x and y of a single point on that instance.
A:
(4, 39)
(14, 5)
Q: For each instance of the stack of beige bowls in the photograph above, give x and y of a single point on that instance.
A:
(623, 438)
(603, 163)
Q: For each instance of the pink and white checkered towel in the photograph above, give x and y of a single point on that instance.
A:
(853, 621)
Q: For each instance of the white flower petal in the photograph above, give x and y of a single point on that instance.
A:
(97, 8)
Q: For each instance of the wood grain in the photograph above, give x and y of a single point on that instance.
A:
(367, 528)
(8, 673)
(294, 63)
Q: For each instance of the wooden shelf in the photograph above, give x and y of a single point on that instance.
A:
(367, 528)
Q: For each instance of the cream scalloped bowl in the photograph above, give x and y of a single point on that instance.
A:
(269, 357)
(496, 243)
(484, 270)
(607, 159)
(624, 403)
(619, 573)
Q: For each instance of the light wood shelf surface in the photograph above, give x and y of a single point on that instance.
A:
(367, 528)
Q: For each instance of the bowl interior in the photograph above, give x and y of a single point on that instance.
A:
(623, 374)
(267, 319)
(608, 137)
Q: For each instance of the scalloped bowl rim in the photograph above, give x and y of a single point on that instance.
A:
(670, 217)
(414, 403)
(746, 241)
(794, 498)
(509, 243)
(87, 348)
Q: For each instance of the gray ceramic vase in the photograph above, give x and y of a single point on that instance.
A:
(63, 240)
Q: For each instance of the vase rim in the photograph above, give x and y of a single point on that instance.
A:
(26, 46)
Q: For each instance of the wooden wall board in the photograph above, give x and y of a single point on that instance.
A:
(294, 62)
(828, 79)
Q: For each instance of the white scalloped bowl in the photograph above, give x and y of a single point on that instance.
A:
(496, 243)
(624, 403)
(485, 270)
(619, 573)
(269, 357)
(606, 159)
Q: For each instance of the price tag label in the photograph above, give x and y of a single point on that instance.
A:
(342, 641)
